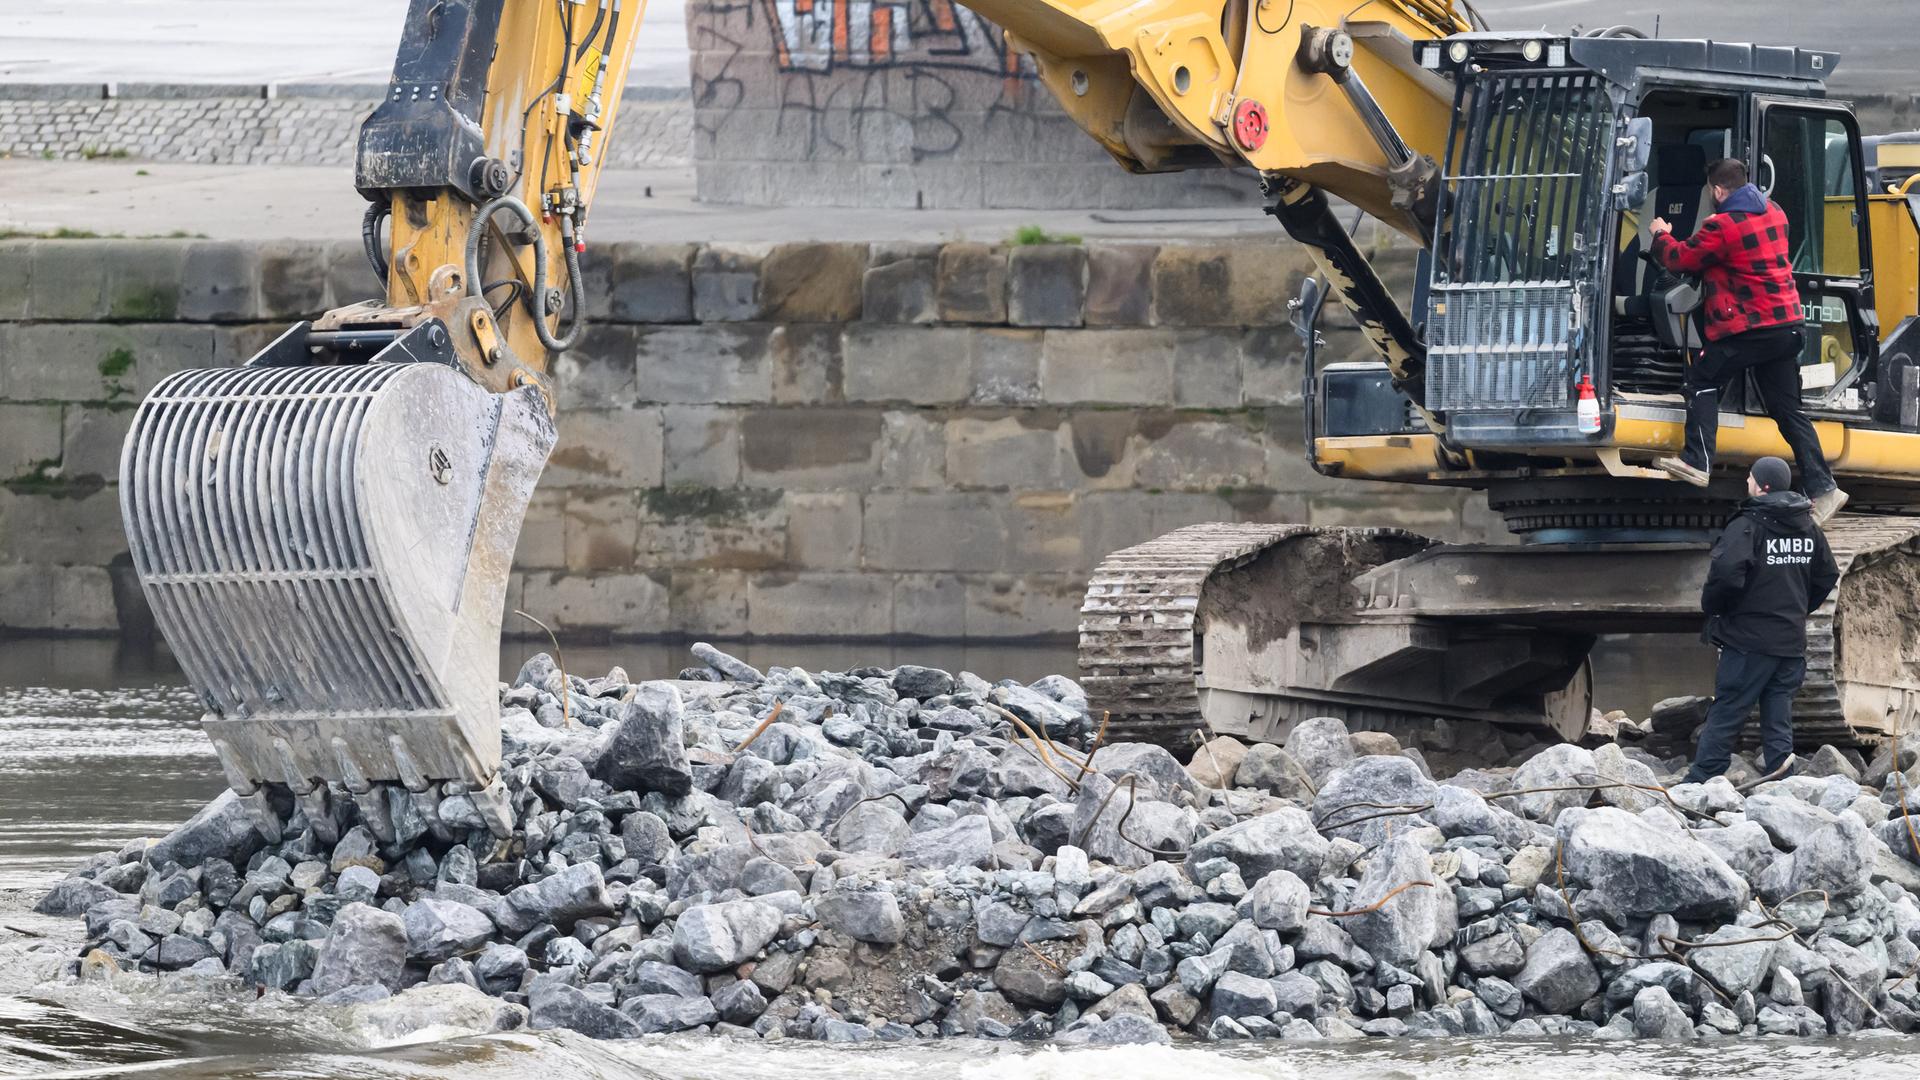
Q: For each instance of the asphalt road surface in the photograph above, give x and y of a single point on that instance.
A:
(352, 40)
(253, 41)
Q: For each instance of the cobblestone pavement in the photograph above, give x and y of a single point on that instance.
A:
(292, 130)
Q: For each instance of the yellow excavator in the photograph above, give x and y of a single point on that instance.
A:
(1539, 359)
(324, 533)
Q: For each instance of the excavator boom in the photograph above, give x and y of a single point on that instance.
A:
(1319, 91)
(325, 533)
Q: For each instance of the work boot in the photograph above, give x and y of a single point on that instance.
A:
(1828, 503)
(1680, 469)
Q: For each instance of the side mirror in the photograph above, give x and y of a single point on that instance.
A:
(1304, 310)
(1631, 191)
(1636, 145)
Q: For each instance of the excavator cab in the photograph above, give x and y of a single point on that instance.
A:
(1562, 152)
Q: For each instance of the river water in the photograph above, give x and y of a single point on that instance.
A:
(99, 745)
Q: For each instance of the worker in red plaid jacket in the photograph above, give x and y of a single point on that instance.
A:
(1753, 322)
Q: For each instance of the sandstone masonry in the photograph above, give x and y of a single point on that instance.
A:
(799, 440)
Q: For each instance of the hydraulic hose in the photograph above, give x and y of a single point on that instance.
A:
(537, 299)
(370, 237)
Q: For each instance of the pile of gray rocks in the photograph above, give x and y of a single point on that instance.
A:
(894, 857)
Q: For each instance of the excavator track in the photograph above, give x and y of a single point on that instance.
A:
(1139, 655)
(1831, 707)
(1144, 620)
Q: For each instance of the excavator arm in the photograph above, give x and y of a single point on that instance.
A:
(1324, 92)
(325, 533)
(1320, 96)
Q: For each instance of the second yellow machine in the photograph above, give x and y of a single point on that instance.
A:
(1527, 167)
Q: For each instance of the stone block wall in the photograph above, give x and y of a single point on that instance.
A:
(802, 440)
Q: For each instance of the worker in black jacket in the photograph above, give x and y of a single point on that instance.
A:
(1771, 568)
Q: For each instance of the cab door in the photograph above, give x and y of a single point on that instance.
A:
(1807, 159)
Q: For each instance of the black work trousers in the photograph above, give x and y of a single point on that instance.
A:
(1740, 680)
(1773, 355)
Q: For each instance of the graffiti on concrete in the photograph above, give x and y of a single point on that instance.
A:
(859, 80)
(820, 35)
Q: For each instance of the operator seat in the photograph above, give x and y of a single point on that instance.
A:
(1680, 194)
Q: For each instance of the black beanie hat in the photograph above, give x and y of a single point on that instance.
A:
(1772, 474)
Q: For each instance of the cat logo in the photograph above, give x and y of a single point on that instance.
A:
(1675, 208)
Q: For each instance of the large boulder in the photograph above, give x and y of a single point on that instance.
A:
(1657, 1016)
(1558, 975)
(553, 1004)
(1159, 775)
(441, 1010)
(1736, 968)
(921, 683)
(648, 750)
(1321, 746)
(660, 1013)
(872, 828)
(1566, 767)
(864, 915)
(1788, 821)
(1151, 824)
(367, 945)
(1743, 845)
(1358, 790)
(1836, 859)
(1634, 868)
(1636, 778)
(966, 841)
(1277, 901)
(1216, 762)
(1239, 996)
(1029, 978)
(1853, 980)
(1282, 839)
(717, 937)
(1416, 919)
(439, 929)
(1268, 768)
(1019, 772)
(223, 829)
(1124, 1029)
(576, 893)
(73, 896)
(1459, 811)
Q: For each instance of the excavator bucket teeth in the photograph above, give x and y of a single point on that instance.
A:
(327, 551)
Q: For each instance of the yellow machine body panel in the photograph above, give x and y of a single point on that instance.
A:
(1158, 83)
(1419, 457)
(541, 80)
(1896, 255)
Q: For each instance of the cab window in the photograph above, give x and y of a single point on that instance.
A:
(1807, 167)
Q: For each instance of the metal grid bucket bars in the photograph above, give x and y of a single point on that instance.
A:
(326, 549)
